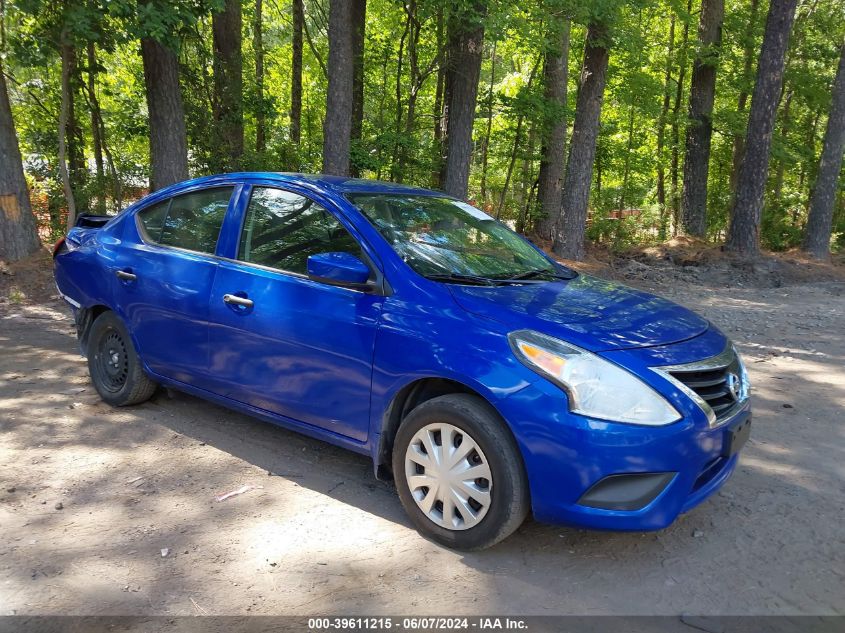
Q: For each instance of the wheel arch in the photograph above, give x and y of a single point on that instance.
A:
(405, 400)
(85, 317)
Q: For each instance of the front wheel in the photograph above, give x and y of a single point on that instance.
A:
(114, 365)
(459, 473)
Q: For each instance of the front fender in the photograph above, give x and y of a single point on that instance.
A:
(411, 347)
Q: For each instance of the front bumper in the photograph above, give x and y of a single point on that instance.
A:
(567, 455)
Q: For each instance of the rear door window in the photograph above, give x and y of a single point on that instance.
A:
(191, 221)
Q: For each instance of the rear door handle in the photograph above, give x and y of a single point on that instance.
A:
(238, 301)
(125, 275)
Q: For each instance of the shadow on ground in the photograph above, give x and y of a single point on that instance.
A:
(139, 530)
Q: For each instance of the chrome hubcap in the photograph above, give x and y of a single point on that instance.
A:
(449, 476)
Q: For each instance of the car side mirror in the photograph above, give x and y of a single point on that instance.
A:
(338, 269)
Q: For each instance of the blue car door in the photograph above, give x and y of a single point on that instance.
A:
(163, 277)
(287, 344)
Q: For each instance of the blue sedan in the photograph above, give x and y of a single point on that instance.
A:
(486, 379)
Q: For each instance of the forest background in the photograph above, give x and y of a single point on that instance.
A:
(613, 122)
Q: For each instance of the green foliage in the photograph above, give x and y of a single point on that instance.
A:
(625, 172)
(621, 233)
(162, 20)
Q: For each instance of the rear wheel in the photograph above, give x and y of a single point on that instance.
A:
(459, 473)
(113, 363)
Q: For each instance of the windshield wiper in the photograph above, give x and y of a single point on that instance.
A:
(530, 274)
(540, 272)
(457, 278)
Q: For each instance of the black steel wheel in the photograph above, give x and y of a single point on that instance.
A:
(113, 363)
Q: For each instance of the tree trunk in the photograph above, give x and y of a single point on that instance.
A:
(785, 124)
(811, 172)
(317, 56)
(485, 143)
(626, 167)
(228, 83)
(748, 60)
(417, 78)
(676, 123)
(550, 178)
(517, 144)
(395, 166)
(168, 137)
(439, 152)
(100, 128)
(337, 127)
(526, 190)
(359, 23)
(819, 221)
(626, 170)
(569, 238)
(381, 119)
(599, 162)
(98, 133)
(67, 63)
(74, 141)
(700, 125)
(94, 106)
(661, 131)
(744, 232)
(18, 232)
(77, 166)
(258, 48)
(117, 190)
(465, 47)
(296, 71)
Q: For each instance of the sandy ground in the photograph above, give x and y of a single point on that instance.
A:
(106, 511)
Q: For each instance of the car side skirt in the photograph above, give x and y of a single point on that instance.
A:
(290, 424)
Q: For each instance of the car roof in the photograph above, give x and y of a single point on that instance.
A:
(338, 184)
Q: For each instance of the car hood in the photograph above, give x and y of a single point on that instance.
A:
(591, 313)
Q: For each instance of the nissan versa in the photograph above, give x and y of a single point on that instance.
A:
(488, 380)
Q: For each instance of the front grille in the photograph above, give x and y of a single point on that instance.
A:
(717, 384)
(712, 386)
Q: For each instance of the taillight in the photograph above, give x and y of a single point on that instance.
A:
(58, 245)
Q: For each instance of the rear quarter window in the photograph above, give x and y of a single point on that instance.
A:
(152, 220)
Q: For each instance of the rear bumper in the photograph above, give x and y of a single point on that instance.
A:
(569, 458)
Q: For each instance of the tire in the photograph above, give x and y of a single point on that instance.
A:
(490, 517)
(113, 363)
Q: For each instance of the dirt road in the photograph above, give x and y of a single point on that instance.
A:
(106, 511)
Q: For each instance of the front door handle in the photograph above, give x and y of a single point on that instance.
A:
(238, 301)
(125, 275)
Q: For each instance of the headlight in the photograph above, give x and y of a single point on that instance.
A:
(597, 388)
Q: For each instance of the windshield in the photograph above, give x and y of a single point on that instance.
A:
(439, 236)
